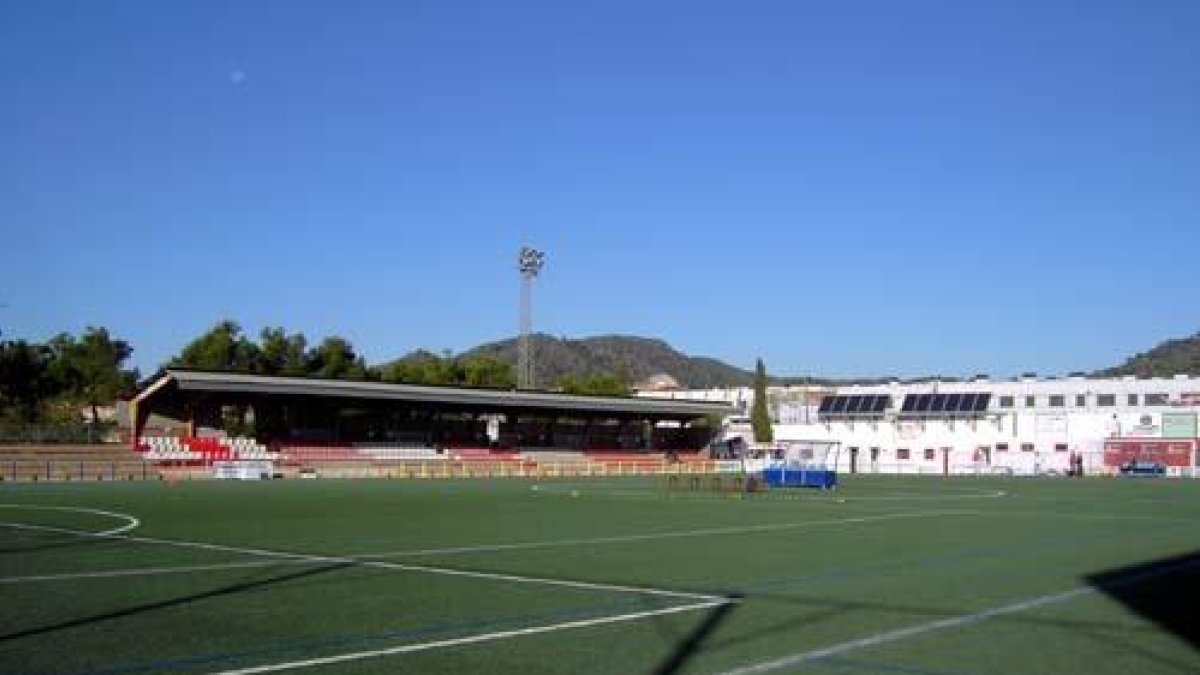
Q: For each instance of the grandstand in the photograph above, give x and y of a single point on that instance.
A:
(340, 428)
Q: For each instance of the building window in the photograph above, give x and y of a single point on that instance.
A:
(1106, 400)
(1155, 399)
(930, 453)
(1131, 399)
(1027, 447)
(901, 453)
(1058, 401)
(1006, 401)
(1080, 401)
(1002, 447)
(1030, 401)
(1060, 447)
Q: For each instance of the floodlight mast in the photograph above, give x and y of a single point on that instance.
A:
(529, 262)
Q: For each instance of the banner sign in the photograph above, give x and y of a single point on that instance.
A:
(1169, 453)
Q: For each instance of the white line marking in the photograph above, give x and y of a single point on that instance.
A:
(149, 571)
(953, 622)
(379, 564)
(627, 538)
(472, 639)
(130, 521)
(904, 633)
(616, 539)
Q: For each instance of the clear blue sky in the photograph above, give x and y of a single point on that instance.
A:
(841, 188)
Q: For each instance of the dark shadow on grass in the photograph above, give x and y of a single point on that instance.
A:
(232, 589)
(691, 644)
(1165, 592)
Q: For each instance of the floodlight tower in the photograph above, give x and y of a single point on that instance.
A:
(529, 263)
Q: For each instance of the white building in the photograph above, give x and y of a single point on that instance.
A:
(1022, 426)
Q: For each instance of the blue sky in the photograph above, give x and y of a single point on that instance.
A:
(841, 188)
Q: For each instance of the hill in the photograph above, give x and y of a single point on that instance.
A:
(635, 358)
(1167, 358)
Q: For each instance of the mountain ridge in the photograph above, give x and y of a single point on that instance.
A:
(638, 358)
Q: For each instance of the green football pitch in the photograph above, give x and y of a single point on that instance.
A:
(924, 576)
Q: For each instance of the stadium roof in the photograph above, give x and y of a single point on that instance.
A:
(176, 381)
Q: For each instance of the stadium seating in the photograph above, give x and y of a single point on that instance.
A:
(399, 452)
(486, 455)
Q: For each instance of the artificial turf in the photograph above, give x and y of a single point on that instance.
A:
(887, 574)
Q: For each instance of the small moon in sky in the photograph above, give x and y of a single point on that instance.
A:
(237, 76)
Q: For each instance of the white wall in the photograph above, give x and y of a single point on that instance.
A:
(1080, 428)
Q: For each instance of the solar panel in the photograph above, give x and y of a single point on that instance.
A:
(938, 404)
(981, 402)
(968, 402)
(954, 403)
(880, 404)
(860, 404)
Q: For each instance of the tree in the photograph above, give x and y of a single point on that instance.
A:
(596, 384)
(283, 354)
(223, 347)
(335, 358)
(25, 380)
(760, 415)
(484, 370)
(92, 368)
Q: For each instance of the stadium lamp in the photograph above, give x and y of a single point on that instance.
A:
(530, 261)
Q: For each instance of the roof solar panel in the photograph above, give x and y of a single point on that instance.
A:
(860, 405)
(981, 402)
(938, 403)
(968, 402)
(953, 403)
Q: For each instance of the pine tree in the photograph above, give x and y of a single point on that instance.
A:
(760, 415)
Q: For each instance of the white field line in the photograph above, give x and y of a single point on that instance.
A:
(130, 521)
(472, 639)
(899, 634)
(378, 564)
(905, 633)
(149, 571)
(359, 558)
(680, 534)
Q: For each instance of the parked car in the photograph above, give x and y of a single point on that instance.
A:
(1143, 467)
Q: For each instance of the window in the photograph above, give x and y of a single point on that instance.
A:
(1106, 400)
(1030, 401)
(1080, 400)
(1002, 447)
(901, 453)
(1027, 447)
(1060, 447)
(1006, 401)
(930, 453)
(1155, 399)
(1058, 401)
(1131, 399)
